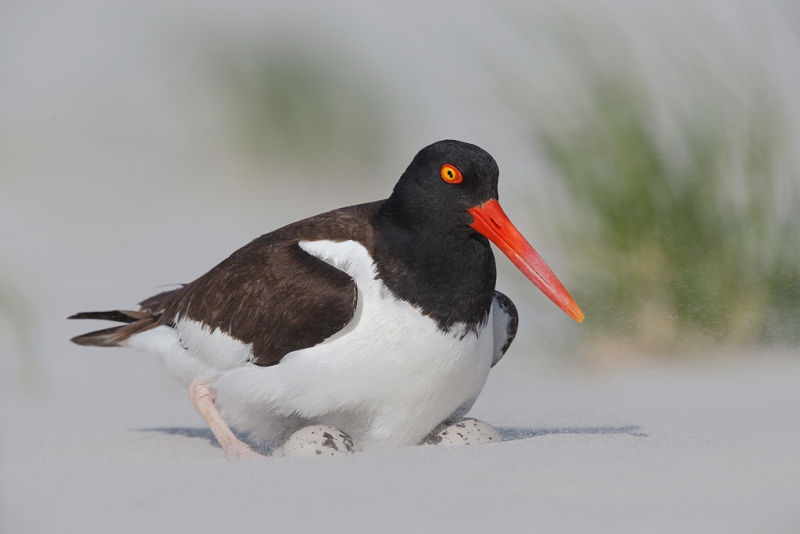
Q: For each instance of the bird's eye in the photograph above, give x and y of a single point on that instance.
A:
(450, 174)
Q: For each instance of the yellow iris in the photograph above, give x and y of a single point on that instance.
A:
(450, 174)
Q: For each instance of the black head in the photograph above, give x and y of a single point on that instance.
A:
(427, 253)
(437, 225)
(442, 182)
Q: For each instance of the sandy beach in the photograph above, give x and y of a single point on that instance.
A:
(114, 446)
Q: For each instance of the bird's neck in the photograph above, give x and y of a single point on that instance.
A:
(441, 266)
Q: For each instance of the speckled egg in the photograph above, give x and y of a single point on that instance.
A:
(465, 432)
(317, 440)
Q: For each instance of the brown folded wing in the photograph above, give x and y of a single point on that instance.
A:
(273, 294)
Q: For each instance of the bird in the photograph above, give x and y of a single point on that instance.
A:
(379, 319)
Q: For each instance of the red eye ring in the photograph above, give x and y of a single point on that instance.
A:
(450, 174)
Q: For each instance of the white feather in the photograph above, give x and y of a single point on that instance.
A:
(214, 348)
(163, 343)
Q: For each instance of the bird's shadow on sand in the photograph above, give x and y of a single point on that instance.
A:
(507, 433)
(200, 433)
(513, 434)
(206, 434)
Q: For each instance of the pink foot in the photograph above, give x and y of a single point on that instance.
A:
(202, 397)
(239, 451)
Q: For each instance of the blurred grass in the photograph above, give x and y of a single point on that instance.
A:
(298, 105)
(17, 325)
(679, 242)
(673, 254)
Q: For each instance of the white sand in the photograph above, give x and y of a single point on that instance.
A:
(113, 446)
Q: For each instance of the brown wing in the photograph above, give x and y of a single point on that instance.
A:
(273, 294)
(155, 303)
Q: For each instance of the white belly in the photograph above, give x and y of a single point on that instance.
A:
(387, 379)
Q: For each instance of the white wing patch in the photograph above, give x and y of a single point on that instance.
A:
(214, 348)
(348, 256)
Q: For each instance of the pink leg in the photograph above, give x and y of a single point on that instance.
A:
(202, 397)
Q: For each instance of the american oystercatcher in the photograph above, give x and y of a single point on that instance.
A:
(381, 319)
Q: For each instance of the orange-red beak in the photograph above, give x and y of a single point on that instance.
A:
(491, 221)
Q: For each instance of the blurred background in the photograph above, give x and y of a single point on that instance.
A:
(649, 150)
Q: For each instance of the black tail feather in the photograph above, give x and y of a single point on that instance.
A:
(120, 316)
(136, 322)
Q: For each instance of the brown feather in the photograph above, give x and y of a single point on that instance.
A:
(156, 302)
(112, 337)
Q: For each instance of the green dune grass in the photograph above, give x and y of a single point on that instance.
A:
(670, 250)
